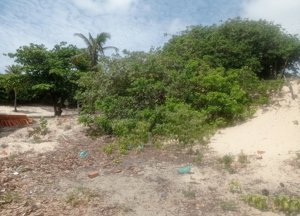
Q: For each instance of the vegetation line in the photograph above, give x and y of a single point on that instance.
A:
(203, 78)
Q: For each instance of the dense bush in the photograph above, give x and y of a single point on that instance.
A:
(262, 46)
(139, 100)
(203, 78)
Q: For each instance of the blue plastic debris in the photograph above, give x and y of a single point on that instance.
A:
(184, 170)
(83, 154)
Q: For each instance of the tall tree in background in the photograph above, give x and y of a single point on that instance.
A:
(95, 46)
(14, 80)
(264, 47)
(51, 72)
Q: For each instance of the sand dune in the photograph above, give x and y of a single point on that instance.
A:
(272, 136)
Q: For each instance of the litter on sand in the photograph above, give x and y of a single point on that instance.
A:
(83, 154)
(184, 170)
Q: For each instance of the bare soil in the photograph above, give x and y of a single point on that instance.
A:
(47, 176)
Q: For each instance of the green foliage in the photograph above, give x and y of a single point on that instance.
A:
(189, 194)
(9, 197)
(43, 126)
(283, 203)
(290, 205)
(227, 161)
(181, 122)
(50, 72)
(243, 158)
(229, 205)
(41, 130)
(80, 196)
(257, 201)
(202, 79)
(109, 149)
(95, 47)
(235, 186)
(260, 45)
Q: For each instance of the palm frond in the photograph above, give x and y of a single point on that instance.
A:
(84, 38)
(102, 38)
(111, 47)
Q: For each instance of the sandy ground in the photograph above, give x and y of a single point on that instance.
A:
(34, 111)
(272, 136)
(19, 139)
(46, 176)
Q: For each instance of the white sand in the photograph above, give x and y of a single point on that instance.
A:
(274, 131)
(33, 111)
(14, 140)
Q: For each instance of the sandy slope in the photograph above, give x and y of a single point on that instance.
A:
(273, 134)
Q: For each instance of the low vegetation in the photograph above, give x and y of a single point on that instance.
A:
(80, 196)
(40, 130)
(9, 197)
(288, 204)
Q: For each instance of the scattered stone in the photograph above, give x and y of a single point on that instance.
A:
(117, 171)
(265, 192)
(4, 145)
(259, 157)
(4, 152)
(260, 152)
(93, 174)
(281, 184)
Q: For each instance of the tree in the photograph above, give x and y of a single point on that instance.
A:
(95, 46)
(51, 72)
(260, 45)
(15, 80)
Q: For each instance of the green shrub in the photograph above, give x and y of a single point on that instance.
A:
(257, 201)
(287, 204)
(153, 97)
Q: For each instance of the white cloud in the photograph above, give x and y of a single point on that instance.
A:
(283, 12)
(176, 26)
(98, 7)
(133, 24)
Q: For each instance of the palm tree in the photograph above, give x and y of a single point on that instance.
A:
(95, 46)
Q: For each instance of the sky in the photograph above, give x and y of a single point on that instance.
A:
(133, 24)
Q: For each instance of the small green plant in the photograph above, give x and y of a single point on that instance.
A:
(79, 196)
(40, 130)
(243, 158)
(189, 194)
(235, 186)
(43, 126)
(287, 204)
(12, 157)
(227, 161)
(257, 201)
(9, 197)
(109, 148)
(229, 205)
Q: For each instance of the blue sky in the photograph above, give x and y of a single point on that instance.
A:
(133, 24)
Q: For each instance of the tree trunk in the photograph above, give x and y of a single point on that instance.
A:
(57, 109)
(15, 101)
(57, 106)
